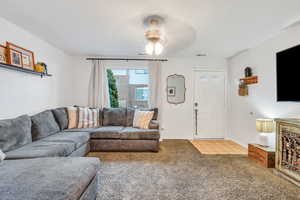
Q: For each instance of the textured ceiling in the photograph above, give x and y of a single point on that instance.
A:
(115, 27)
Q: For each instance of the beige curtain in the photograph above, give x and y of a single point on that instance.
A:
(155, 85)
(98, 86)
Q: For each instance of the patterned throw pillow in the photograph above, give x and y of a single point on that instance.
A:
(142, 119)
(72, 116)
(95, 116)
(88, 117)
(82, 117)
(90, 120)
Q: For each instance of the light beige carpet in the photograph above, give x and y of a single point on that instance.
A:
(222, 147)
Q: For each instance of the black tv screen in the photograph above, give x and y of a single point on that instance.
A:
(288, 74)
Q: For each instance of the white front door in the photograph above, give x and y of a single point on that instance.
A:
(209, 105)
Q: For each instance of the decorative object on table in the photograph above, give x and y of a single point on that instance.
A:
(176, 89)
(288, 149)
(27, 56)
(243, 89)
(3, 54)
(265, 156)
(248, 72)
(264, 127)
(41, 67)
(171, 91)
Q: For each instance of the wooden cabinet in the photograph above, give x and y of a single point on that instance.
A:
(288, 149)
(265, 156)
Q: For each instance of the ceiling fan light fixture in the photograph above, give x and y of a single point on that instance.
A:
(154, 36)
(154, 48)
(149, 48)
(158, 48)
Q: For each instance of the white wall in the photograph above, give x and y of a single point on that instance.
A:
(22, 93)
(177, 120)
(261, 102)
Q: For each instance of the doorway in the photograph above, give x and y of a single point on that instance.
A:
(209, 104)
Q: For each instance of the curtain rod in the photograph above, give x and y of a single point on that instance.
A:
(129, 59)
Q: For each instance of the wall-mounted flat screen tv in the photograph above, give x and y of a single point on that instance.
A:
(288, 74)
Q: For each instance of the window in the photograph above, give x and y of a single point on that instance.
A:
(141, 94)
(141, 71)
(119, 72)
(128, 87)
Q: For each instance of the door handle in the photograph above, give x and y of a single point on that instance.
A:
(196, 118)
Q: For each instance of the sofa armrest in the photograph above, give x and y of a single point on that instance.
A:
(154, 124)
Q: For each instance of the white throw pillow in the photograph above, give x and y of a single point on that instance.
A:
(142, 119)
(2, 155)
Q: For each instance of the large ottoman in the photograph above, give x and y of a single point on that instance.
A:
(49, 179)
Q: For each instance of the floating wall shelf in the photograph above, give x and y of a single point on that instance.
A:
(249, 80)
(28, 71)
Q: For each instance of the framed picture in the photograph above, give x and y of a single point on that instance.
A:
(171, 91)
(3, 54)
(15, 58)
(27, 56)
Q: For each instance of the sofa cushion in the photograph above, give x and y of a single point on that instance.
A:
(15, 133)
(81, 151)
(61, 117)
(154, 124)
(155, 116)
(114, 117)
(78, 138)
(107, 132)
(130, 133)
(47, 178)
(100, 117)
(130, 115)
(43, 125)
(42, 149)
(89, 130)
(91, 193)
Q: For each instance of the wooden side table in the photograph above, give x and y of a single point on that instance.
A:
(265, 156)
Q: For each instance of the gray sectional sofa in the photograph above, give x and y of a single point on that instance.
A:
(49, 179)
(45, 137)
(117, 134)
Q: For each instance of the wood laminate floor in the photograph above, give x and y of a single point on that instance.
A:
(221, 147)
